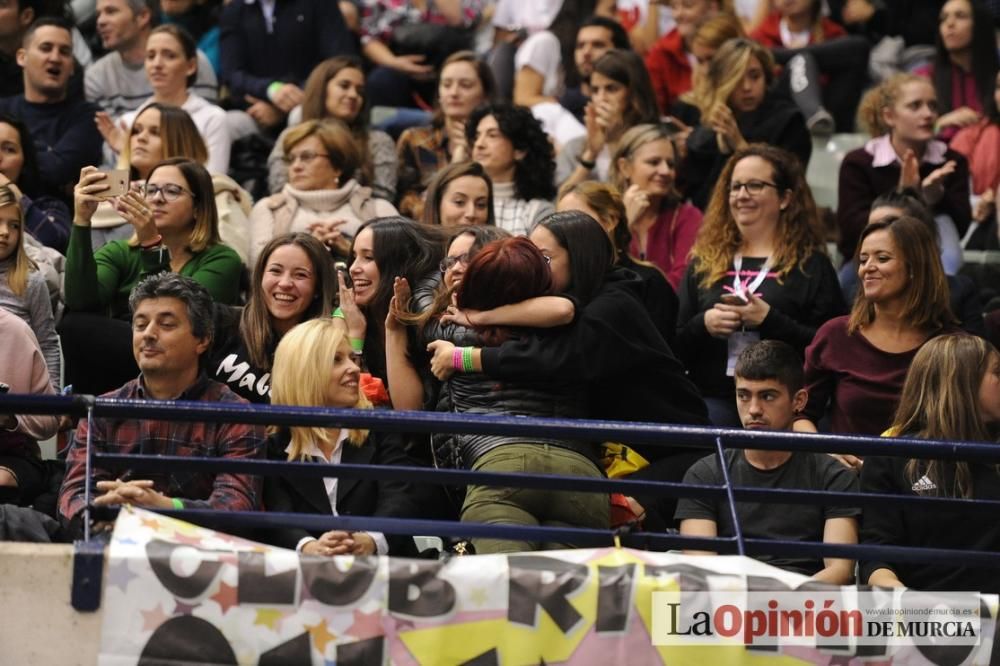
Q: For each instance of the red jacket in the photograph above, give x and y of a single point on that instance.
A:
(669, 69)
(768, 32)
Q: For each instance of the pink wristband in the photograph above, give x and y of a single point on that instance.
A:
(456, 359)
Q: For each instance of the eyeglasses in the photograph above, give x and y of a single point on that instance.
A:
(449, 262)
(170, 192)
(754, 187)
(306, 156)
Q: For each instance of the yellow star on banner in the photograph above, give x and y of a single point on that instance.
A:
(269, 617)
(320, 634)
(478, 596)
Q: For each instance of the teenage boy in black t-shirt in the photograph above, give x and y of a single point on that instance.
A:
(769, 392)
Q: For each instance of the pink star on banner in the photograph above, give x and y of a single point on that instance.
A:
(366, 625)
(153, 618)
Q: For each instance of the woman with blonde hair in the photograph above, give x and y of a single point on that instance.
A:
(22, 288)
(314, 366)
(644, 167)
(951, 393)
(758, 271)
(856, 364)
(322, 196)
(737, 106)
(900, 115)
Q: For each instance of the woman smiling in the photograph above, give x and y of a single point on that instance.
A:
(293, 281)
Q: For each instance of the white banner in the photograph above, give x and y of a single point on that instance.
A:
(177, 593)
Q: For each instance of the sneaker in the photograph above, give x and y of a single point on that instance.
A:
(821, 123)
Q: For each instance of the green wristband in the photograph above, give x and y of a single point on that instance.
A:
(339, 314)
(467, 360)
(178, 504)
(357, 344)
(273, 89)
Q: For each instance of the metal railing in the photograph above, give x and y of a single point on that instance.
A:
(645, 434)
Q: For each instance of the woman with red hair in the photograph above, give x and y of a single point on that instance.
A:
(506, 272)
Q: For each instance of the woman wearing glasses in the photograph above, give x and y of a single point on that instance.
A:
(321, 197)
(758, 270)
(175, 228)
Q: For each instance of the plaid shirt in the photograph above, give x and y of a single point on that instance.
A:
(232, 492)
(422, 152)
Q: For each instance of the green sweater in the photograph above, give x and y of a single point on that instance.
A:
(102, 281)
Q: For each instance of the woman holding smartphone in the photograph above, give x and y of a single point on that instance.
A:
(758, 270)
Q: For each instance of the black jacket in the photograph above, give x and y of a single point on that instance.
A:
(777, 121)
(355, 497)
(305, 32)
(613, 347)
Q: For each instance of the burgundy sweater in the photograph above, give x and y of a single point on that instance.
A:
(860, 183)
(861, 382)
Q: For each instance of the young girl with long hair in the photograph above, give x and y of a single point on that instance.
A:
(22, 288)
(951, 393)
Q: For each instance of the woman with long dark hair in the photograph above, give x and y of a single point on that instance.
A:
(293, 281)
(965, 64)
(336, 88)
(384, 249)
(856, 364)
(952, 393)
(504, 273)
(621, 97)
(465, 83)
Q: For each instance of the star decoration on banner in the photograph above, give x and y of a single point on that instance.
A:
(269, 617)
(478, 596)
(321, 635)
(120, 575)
(151, 523)
(183, 608)
(195, 541)
(366, 625)
(126, 542)
(225, 597)
(153, 618)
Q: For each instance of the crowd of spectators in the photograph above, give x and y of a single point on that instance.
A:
(562, 208)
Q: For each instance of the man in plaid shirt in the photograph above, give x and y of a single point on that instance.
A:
(171, 330)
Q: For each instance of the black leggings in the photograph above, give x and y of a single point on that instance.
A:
(843, 60)
(98, 352)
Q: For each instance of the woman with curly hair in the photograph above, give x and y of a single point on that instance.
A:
(758, 270)
(508, 141)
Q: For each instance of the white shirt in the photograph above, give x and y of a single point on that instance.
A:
(381, 545)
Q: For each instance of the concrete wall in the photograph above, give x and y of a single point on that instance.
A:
(38, 626)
